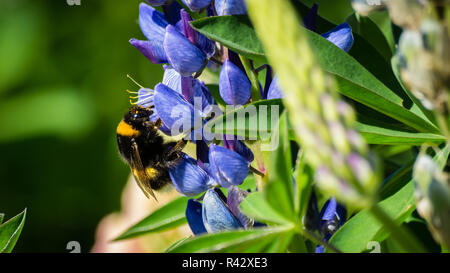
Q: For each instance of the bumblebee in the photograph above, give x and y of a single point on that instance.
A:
(148, 151)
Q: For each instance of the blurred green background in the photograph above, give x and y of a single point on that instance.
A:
(62, 92)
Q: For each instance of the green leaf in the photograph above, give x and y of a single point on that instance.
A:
(10, 232)
(230, 241)
(367, 29)
(255, 121)
(357, 83)
(234, 32)
(378, 135)
(256, 207)
(383, 21)
(354, 235)
(278, 190)
(169, 216)
(2, 216)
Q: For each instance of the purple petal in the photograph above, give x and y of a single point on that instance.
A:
(194, 217)
(153, 25)
(235, 197)
(173, 109)
(234, 86)
(182, 55)
(151, 50)
(274, 90)
(189, 179)
(239, 147)
(229, 167)
(216, 216)
(198, 39)
(196, 93)
(195, 5)
(341, 36)
(188, 31)
(230, 7)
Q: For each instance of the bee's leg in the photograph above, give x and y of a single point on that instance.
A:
(158, 123)
(173, 154)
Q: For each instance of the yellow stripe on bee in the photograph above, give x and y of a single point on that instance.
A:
(125, 129)
(151, 173)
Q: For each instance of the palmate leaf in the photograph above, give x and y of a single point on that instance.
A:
(10, 231)
(363, 228)
(255, 240)
(168, 216)
(354, 76)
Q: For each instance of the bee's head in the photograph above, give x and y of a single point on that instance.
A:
(137, 115)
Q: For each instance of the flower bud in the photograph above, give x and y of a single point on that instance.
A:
(234, 86)
(433, 197)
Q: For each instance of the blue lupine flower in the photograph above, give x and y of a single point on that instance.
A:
(153, 25)
(202, 42)
(175, 103)
(234, 86)
(230, 7)
(194, 217)
(235, 145)
(182, 55)
(173, 109)
(189, 179)
(195, 5)
(227, 167)
(332, 217)
(167, 43)
(216, 215)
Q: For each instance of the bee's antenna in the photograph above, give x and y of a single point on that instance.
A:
(133, 80)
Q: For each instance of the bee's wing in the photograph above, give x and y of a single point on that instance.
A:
(138, 170)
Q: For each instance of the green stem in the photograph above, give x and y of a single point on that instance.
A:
(402, 236)
(313, 237)
(251, 74)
